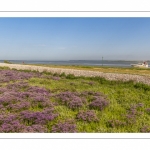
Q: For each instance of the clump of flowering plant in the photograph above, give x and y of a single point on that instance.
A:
(56, 78)
(133, 113)
(99, 103)
(88, 116)
(115, 123)
(14, 75)
(10, 124)
(145, 129)
(40, 117)
(71, 99)
(34, 129)
(11, 127)
(18, 106)
(91, 83)
(148, 110)
(88, 93)
(64, 127)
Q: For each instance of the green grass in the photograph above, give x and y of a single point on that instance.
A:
(121, 95)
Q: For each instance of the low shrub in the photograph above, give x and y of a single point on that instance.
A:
(71, 76)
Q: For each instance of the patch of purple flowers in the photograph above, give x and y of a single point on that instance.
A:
(116, 123)
(133, 113)
(18, 98)
(10, 124)
(56, 78)
(35, 129)
(38, 117)
(71, 99)
(25, 108)
(88, 116)
(148, 110)
(17, 86)
(64, 127)
(145, 129)
(39, 90)
(99, 103)
(18, 106)
(12, 127)
(14, 75)
(140, 105)
(91, 83)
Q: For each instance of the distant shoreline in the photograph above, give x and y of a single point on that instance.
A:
(105, 63)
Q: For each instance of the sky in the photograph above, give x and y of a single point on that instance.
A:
(74, 38)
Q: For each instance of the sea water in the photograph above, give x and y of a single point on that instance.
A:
(109, 63)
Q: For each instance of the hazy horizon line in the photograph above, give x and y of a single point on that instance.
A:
(72, 60)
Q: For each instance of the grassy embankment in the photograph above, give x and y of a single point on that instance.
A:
(128, 104)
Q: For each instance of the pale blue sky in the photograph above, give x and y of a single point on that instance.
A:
(74, 38)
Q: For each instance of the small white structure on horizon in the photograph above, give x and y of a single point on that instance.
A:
(140, 65)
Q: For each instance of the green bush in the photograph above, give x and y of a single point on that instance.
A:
(62, 75)
(71, 76)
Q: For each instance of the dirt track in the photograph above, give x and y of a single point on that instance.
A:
(109, 76)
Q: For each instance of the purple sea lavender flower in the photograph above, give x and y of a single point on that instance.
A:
(2, 117)
(8, 97)
(39, 117)
(88, 116)
(132, 114)
(140, 105)
(148, 110)
(11, 75)
(116, 123)
(64, 127)
(91, 83)
(100, 103)
(19, 106)
(56, 78)
(71, 99)
(25, 95)
(1, 106)
(10, 118)
(12, 127)
(145, 129)
(76, 102)
(40, 98)
(18, 85)
(2, 90)
(39, 90)
(34, 129)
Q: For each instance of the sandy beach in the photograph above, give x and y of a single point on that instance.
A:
(109, 76)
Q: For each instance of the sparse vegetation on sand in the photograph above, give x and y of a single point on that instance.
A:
(105, 69)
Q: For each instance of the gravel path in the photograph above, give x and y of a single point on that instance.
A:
(109, 76)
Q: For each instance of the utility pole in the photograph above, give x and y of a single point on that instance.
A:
(102, 60)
